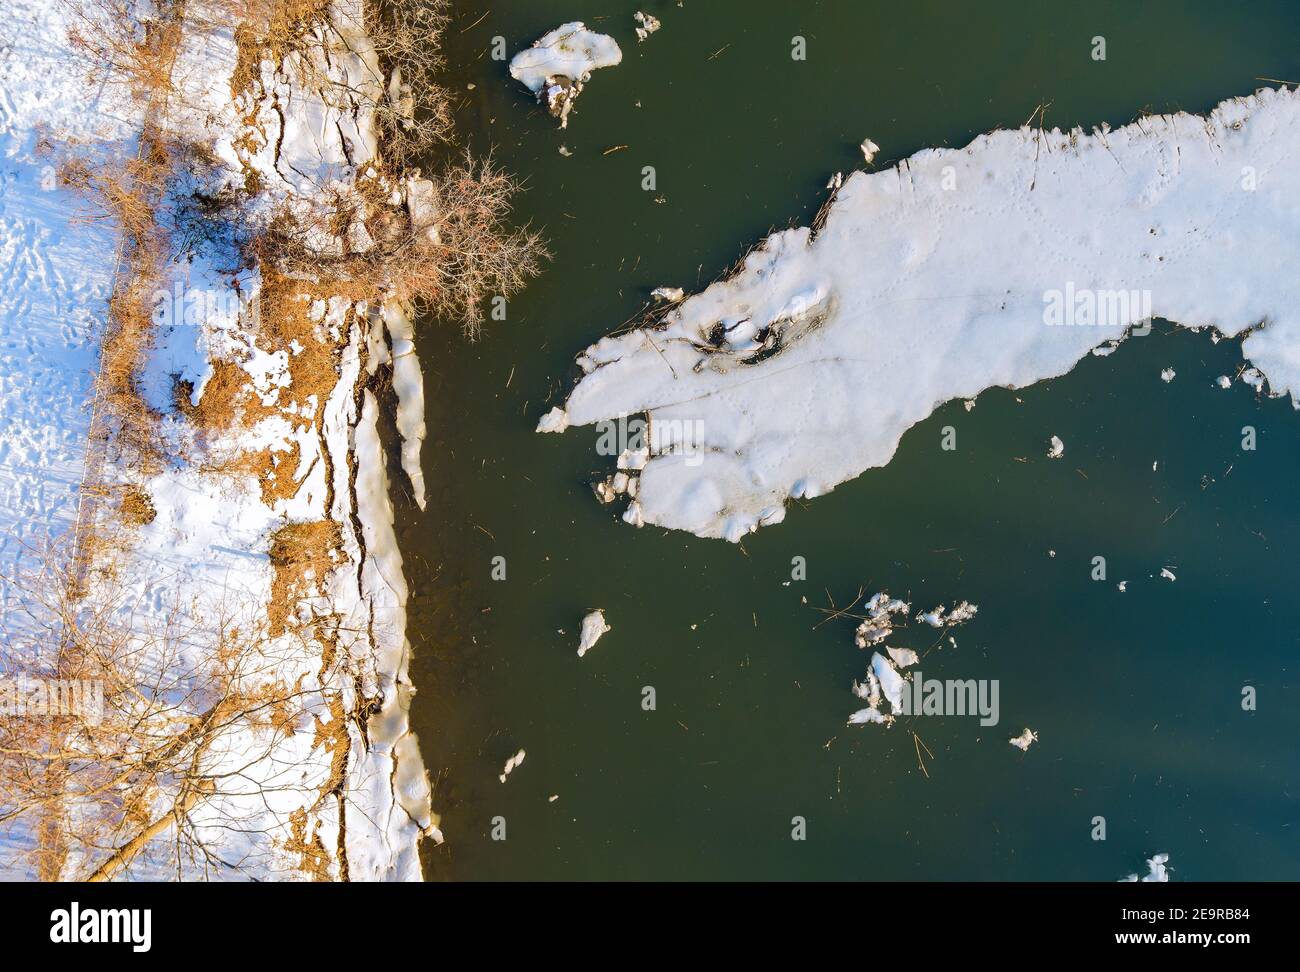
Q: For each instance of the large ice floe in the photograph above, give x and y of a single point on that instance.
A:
(560, 63)
(999, 264)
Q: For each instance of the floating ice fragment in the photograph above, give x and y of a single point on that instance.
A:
(903, 657)
(962, 612)
(933, 618)
(647, 25)
(560, 62)
(879, 625)
(835, 181)
(873, 715)
(593, 626)
(511, 765)
(1023, 741)
(1057, 448)
(1157, 871)
(1167, 574)
(1254, 378)
(1167, 375)
(801, 415)
(869, 149)
(1223, 381)
(556, 420)
(668, 293)
(1123, 586)
(891, 683)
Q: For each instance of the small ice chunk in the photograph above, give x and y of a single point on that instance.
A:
(1023, 741)
(869, 149)
(560, 62)
(556, 420)
(835, 181)
(878, 626)
(633, 459)
(512, 764)
(933, 618)
(882, 604)
(1057, 448)
(1223, 381)
(970, 404)
(1123, 586)
(903, 657)
(1254, 378)
(646, 25)
(1167, 375)
(1157, 871)
(1167, 574)
(962, 612)
(871, 633)
(869, 715)
(868, 689)
(668, 293)
(593, 626)
(891, 683)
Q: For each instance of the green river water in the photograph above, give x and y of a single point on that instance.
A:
(1136, 696)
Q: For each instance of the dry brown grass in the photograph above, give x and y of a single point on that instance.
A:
(135, 506)
(122, 48)
(302, 555)
(275, 471)
(129, 193)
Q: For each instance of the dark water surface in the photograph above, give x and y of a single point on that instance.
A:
(1136, 696)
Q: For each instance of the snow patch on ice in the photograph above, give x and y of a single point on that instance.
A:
(593, 628)
(790, 407)
(560, 63)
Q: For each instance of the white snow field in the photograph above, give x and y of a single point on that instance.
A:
(55, 273)
(999, 264)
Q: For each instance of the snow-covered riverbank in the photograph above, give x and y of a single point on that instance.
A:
(1000, 264)
(257, 576)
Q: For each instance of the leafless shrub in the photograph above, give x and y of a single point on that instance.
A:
(414, 112)
(123, 44)
(468, 252)
(446, 259)
(187, 709)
